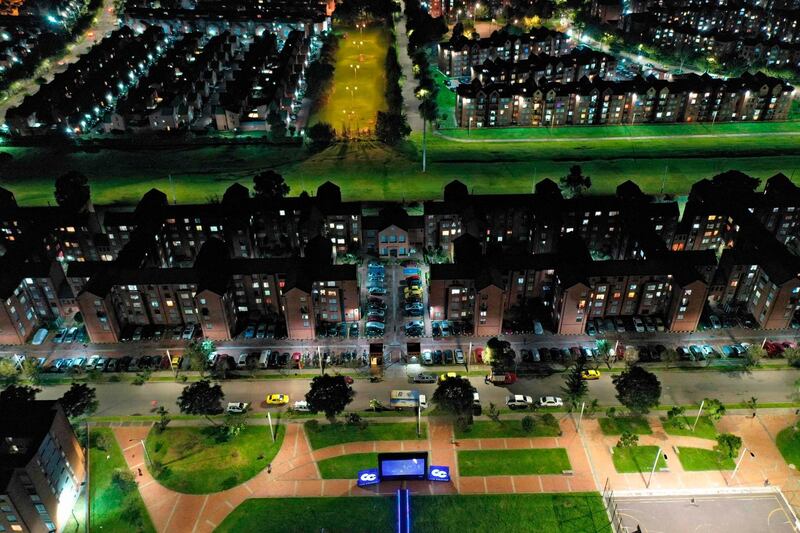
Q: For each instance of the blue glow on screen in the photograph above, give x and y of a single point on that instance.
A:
(403, 467)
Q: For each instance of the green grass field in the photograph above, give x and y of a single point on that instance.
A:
(331, 434)
(637, 459)
(620, 424)
(370, 171)
(488, 429)
(367, 83)
(512, 462)
(195, 462)
(346, 466)
(113, 509)
(553, 513)
(788, 442)
(705, 428)
(697, 459)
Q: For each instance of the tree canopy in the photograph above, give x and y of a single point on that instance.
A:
(269, 185)
(80, 399)
(72, 191)
(329, 394)
(575, 183)
(575, 388)
(391, 128)
(455, 396)
(201, 398)
(320, 136)
(19, 393)
(637, 389)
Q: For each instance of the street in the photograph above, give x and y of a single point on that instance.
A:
(119, 399)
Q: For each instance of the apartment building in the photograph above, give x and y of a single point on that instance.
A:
(576, 64)
(459, 55)
(392, 232)
(42, 467)
(689, 98)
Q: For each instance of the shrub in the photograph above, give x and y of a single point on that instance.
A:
(628, 440)
(123, 479)
(528, 424)
(312, 425)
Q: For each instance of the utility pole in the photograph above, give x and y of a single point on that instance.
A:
(655, 463)
(424, 146)
(698, 415)
(739, 462)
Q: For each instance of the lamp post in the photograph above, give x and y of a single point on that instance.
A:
(655, 463)
(474, 9)
(739, 462)
(355, 70)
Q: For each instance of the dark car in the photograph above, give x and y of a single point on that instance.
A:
(437, 357)
(448, 357)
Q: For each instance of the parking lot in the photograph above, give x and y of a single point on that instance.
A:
(756, 512)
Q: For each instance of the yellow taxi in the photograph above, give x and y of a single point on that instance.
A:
(277, 399)
(590, 374)
(448, 375)
(412, 291)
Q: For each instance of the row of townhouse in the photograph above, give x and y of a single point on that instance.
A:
(242, 18)
(627, 254)
(78, 97)
(578, 63)
(177, 87)
(689, 98)
(740, 18)
(460, 54)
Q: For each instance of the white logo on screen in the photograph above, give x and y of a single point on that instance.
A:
(369, 477)
(441, 474)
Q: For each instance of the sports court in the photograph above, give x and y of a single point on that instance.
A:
(758, 511)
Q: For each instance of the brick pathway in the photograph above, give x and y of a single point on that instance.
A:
(295, 472)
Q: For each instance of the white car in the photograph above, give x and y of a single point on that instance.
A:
(424, 377)
(40, 336)
(241, 361)
(237, 407)
(551, 401)
(519, 401)
(301, 406)
(638, 325)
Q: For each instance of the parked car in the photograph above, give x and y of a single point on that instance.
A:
(638, 325)
(427, 357)
(537, 328)
(261, 331)
(551, 401)
(519, 401)
(619, 325)
(649, 325)
(70, 335)
(59, 336)
(40, 336)
(590, 374)
(448, 375)
(237, 407)
(590, 328)
(373, 291)
(459, 357)
(301, 406)
(250, 331)
(354, 330)
(424, 377)
(188, 332)
(277, 399)
(137, 334)
(715, 322)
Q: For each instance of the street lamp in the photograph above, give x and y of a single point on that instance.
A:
(355, 70)
(655, 463)
(351, 90)
(739, 462)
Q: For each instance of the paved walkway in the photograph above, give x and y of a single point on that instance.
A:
(409, 82)
(553, 139)
(295, 474)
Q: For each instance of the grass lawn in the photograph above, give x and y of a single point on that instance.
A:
(513, 462)
(347, 466)
(502, 513)
(788, 442)
(112, 508)
(705, 428)
(488, 429)
(637, 459)
(618, 425)
(327, 434)
(343, 110)
(695, 459)
(370, 171)
(195, 462)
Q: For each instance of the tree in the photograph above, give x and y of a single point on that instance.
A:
(752, 404)
(792, 356)
(329, 394)
(603, 348)
(163, 419)
(628, 440)
(528, 423)
(8, 370)
(753, 356)
(277, 126)
(197, 353)
(637, 389)
(575, 183)
(575, 387)
(500, 355)
(201, 398)
(79, 400)
(493, 413)
(31, 370)
(123, 479)
(675, 416)
(19, 393)
(72, 191)
(670, 356)
(714, 409)
(455, 396)
(728, 445)
(391, 128)
(233, 424)
(321, 135)
(269, 185)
